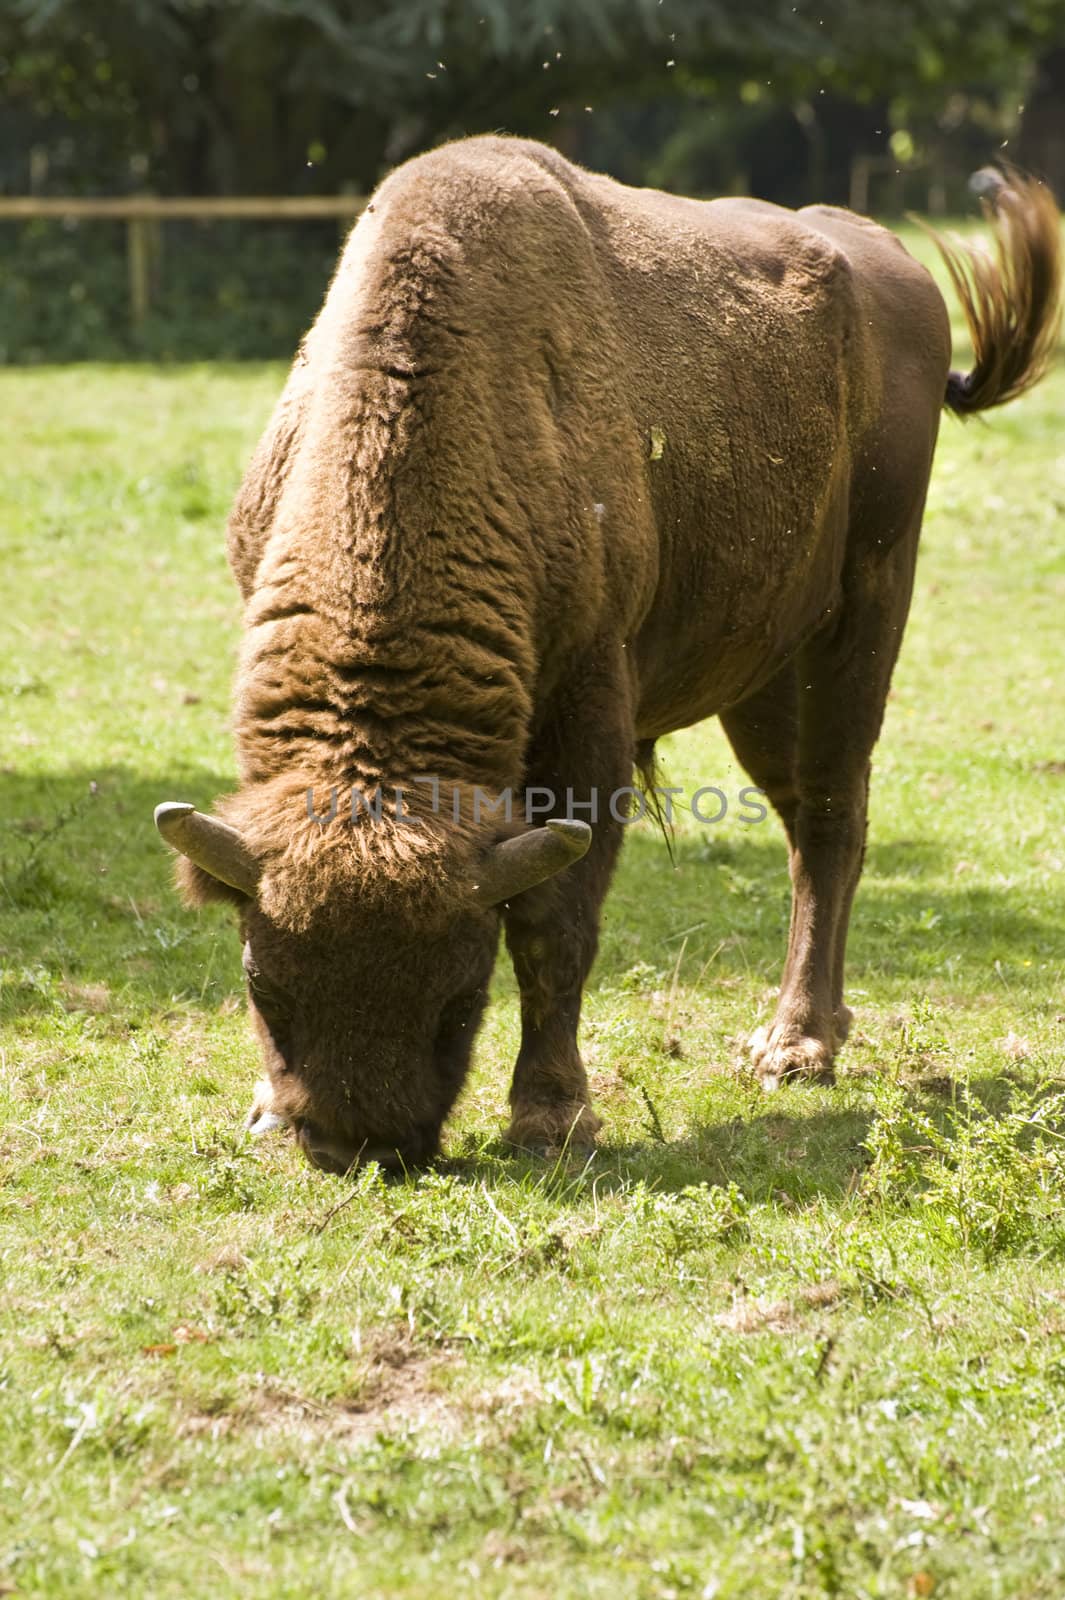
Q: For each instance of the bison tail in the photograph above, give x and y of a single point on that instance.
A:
(1010, 294)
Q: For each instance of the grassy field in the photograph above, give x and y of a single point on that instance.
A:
(807, 1345)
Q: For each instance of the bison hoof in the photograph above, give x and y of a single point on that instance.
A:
(778, 1057)
(262, 1118)
(546, 1130)
(841, 1024)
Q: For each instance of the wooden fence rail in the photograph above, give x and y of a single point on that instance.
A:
(142, 215)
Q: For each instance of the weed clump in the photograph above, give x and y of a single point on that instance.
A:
(989, 1181)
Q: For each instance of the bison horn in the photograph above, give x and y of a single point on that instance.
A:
(210, 843)
(517, 864)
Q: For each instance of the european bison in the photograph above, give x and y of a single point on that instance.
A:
(563, 466)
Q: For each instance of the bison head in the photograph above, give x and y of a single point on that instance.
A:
(367, 954)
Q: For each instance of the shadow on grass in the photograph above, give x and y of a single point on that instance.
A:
(788, 1154)
(911, 920)
(792, 1148)
(86, 898)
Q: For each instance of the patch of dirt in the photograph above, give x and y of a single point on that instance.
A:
(93, 997)
(760, 1315)
(607, 1085)
(514, 1393)
(398, 1391)
(399, 1388)
(502, 1550)
(228, 1259)
(819, 1295)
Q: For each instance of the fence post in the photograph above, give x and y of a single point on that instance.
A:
(144, 215)
(346, 223)
(139, 264)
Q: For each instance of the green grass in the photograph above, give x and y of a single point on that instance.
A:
(805, 1345)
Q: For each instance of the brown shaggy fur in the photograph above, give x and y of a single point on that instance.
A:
(563, 466)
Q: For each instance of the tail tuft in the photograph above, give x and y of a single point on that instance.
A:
(1010, 295)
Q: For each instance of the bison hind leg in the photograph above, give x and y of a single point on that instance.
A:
(779, 1056)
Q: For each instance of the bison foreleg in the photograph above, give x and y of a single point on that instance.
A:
(552, 936)
(552, 931)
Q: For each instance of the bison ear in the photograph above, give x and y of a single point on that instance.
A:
(514, 865)
(199, 888)
(217, 863)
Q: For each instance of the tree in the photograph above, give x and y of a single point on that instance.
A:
(1041, 144)
(281, 94)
